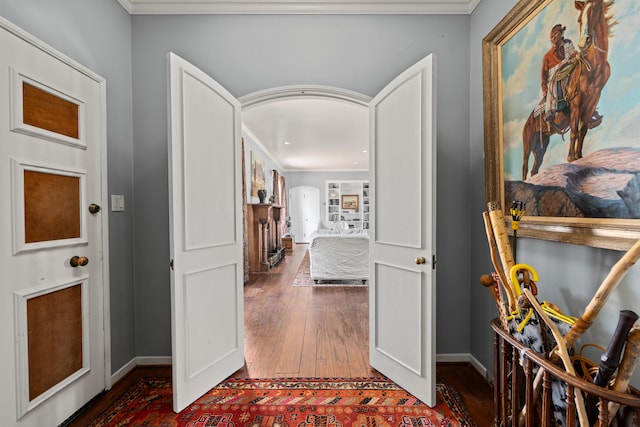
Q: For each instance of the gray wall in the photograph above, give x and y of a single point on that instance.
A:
(251, 146)
(486, 15)
(249, 53)
(569, 274)
(97, 34)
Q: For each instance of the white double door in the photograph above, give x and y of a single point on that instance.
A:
(206, 238)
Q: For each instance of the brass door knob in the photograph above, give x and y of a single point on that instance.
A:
(94, 209)
(78, 261)
(421, 260)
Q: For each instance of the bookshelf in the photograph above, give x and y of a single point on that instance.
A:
(348, 201)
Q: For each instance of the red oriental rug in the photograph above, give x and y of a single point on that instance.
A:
(284, 402)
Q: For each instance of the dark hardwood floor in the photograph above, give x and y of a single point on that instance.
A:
(310, 332)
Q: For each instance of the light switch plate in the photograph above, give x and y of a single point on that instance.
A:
(117, 203)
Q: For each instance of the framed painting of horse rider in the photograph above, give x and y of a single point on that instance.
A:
(562, 119)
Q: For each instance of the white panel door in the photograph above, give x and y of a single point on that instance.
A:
(312, 212)
(206, 232)
(297, 212)
(402, 270)
(305, 207)
(52, 158)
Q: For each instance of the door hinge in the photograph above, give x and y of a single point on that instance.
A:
(433, 261)
(171, 264)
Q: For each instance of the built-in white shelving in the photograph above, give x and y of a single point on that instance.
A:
(348, 201)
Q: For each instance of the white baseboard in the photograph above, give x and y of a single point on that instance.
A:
(166, 360)
(463, 357)
(139, 361)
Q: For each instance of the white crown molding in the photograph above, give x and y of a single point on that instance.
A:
(290, 7)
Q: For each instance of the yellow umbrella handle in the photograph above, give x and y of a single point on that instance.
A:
(513, 273)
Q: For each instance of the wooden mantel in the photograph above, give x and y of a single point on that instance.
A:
(265, 242)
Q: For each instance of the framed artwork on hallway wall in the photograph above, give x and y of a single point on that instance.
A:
(257, 174)
(561, 120)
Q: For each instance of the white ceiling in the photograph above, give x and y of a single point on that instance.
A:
(324, 135)
(299, 7)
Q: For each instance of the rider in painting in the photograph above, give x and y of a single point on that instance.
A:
(553, 80)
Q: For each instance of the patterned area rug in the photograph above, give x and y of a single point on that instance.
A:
(303, 277)
(358, 402)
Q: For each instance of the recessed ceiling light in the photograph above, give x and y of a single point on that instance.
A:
(355, 163)
(364, 151)
(287, 143)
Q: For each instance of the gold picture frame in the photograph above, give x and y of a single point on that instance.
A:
(602, 232)
(350, 202)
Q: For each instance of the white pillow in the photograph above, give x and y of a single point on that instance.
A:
(355, 231)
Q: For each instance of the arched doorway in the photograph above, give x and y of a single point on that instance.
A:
(285, 334)
(306, 91)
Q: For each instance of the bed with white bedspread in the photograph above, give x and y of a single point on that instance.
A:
(339, 256)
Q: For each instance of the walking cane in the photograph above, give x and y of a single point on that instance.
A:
(628, 364)
(610, 360)
(496, 264)
(501, 241)
(608, 285)
(563, 353)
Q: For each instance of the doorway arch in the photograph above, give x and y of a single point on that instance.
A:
(260, 97)
(292, 92)
(313, 92)
(315, 108)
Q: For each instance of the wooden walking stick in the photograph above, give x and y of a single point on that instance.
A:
(616, 274)
(563, 353)
(502, 240)
(496, 264)
(628, 365)
(608, 285)
(499, 235)
(610, 360)
(488, 282)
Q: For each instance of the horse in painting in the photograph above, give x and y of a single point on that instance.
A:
(535, 137)
(587, 77)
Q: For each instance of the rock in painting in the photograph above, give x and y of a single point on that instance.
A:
(604, 184)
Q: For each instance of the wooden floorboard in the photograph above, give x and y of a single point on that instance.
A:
(475, 391)
(293, 331)
(306, 331)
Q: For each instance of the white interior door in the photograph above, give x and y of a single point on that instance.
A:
(297, 212)
(206, 232)
(304, 208)
(52, 158)
(402, 269)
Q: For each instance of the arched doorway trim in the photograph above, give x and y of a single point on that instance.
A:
(302, 91)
